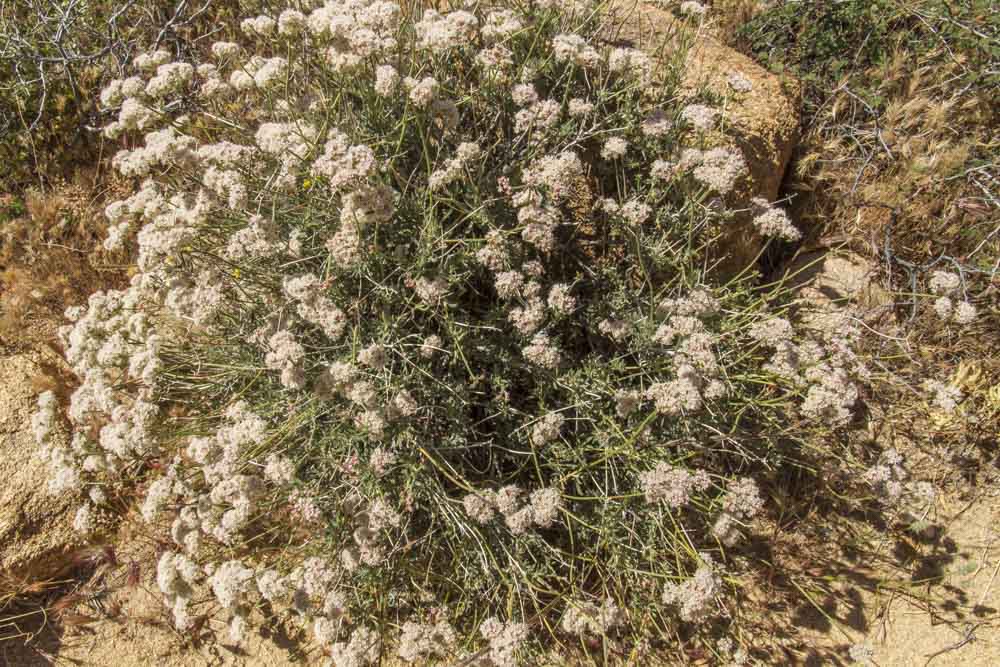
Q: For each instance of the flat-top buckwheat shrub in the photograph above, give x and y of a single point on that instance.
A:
(424, 338)
(589, 618)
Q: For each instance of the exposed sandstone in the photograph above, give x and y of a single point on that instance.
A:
(36, 532)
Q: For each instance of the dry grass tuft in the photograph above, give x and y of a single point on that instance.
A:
(730, 15)
(51, 257)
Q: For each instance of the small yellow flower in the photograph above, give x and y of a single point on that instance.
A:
(237, 273)
(307, 183)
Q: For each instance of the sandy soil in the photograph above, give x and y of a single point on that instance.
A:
(962, 631)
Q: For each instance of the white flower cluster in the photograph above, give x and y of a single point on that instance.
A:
(501, 24)
(371, 528)
(692, 8)
(671, 485)
(232, 583)
(946, 396)
(465, 155)
(363, 648)
(537, 116)
(440, 33)
(419, 641)
(170, 77)
(423, 92)
(310, 590)
(589, 619)
(739, 82)
(505, 639)
(945, 284)
(824, 365)
(118, 90)
(695, 364)
(372, 415)
(169, 224)
(258, 25)
(632, 62)
(547, 429)
(718, 168)
(357, 29)
(258, 240)
(617, 330)
(162, 148)
(109, 343)
(614, 149)
(292, 143)
(557, 175)
(145, 62)
(84, 520)
(224, 50)
(694, 597)
(741, 503)
(43, 420)
(541, 510)
(307, 292)
(386, 80)
(177, 575)
(222, 502)
(542, 352)
(700, 117)
(285, 354)
(772, 221)
(887, 477)
(343, 164)
(575, 49)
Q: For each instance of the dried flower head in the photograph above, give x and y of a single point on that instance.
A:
(672, 486)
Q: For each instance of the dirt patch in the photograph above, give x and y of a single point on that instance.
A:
(962, 633)
(138, 637)
(934, 600)
(115, 615)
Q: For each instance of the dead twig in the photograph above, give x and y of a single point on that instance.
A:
(970, 636)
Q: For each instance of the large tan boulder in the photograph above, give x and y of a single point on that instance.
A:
(762, 121)
(37, 540)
